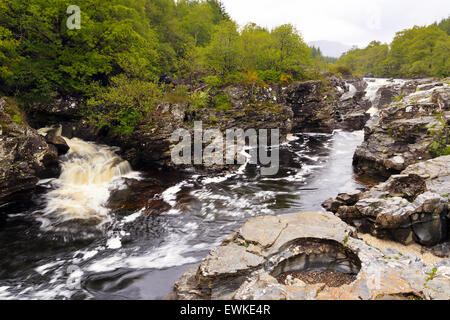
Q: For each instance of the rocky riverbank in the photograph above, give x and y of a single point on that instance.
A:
(25, 156)
(412, 129)
(248, 265)
(318, 256)
(408, 207)
(312, 106)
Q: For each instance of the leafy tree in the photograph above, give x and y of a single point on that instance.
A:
(419, 51)
(222, 54)
(445, 25)
(292, 53)
(123, 103)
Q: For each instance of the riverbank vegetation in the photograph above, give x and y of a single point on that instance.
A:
(130, 54)
(142, 40)
(416, 52)
(139, 49)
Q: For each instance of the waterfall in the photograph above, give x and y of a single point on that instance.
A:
(89, 172)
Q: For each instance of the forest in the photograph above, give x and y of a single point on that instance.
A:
(416, 52)
(128, 54)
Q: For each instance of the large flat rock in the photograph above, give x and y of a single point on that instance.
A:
(247, 264)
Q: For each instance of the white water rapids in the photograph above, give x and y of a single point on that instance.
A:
(140, 256)
(89, 172)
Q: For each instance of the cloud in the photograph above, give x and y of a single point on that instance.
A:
(348, 21)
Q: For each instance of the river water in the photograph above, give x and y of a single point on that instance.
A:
(69, 242)
(54, 249)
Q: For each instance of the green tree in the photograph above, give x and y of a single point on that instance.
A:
(292, 55)
(222, 54)
(445, 25)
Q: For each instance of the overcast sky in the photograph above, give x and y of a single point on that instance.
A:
(353, 22)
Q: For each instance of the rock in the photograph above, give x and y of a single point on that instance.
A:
(350, 198)
(311, 106)
(53, 138)
(332, 205)
(246, 266)
(384, 96)
(25, 157)
(54, 112)
(404, 133)
(411, 206)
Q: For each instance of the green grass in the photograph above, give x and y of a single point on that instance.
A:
(222, 102)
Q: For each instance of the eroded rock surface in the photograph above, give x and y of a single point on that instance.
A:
(246, 265)
(406, 132)
(25, 156)
(411, 206)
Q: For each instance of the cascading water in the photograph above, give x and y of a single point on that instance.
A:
(373, 85)
(141, 256)
(88, 174)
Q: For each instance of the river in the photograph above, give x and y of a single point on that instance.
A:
(70, 243)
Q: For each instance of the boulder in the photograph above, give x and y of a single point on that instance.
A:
(406, 132)
(25, 156)
(58, 141)
(411, 206)
(268, 256)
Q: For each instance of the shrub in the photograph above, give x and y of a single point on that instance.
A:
(222, 102)
(235, 78)
(178, 95)
(122, 104)
(213, 81)
(270, 75)
(199, 99)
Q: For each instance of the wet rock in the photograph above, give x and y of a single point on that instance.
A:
(350, 198)
(311, 106)
(25, 157)
(404, 133)
(411, 206)
(384, 96)
(250, 264)
(53, 138)
(332, 204)
(323, 108)
(441, 250)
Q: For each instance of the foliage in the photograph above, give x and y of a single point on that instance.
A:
(444, 24)
(222, 102)
(178, 95)
(199, 99)
(415, 52)
(122, 104)
(440, 145)
(124, 50)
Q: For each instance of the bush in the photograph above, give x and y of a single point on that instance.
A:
(235, 78)
(122, 104)
(344, 70)
(270, 75)
(199, 99)
(178, 95)
(213, 81)
(222, 102)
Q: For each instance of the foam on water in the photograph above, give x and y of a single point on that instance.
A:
(89, 172)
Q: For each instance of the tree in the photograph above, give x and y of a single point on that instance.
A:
(445, 25)
(292, 53)
(222, 54)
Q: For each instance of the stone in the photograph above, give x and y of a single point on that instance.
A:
(309, 242)
(350, 198)
(25, 157)
(61, 145)
(403, 132)
(411, 206)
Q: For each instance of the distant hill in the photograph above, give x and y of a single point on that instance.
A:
(330, 48)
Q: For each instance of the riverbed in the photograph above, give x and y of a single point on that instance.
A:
(137, 255)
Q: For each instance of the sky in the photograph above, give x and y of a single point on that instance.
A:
(352, 22)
